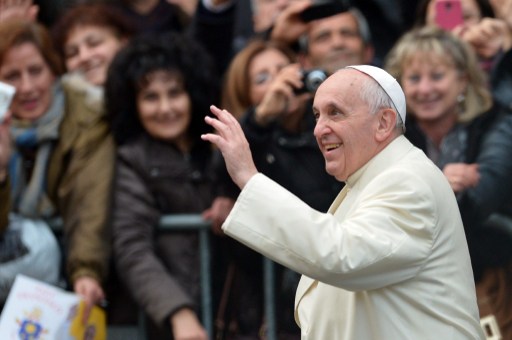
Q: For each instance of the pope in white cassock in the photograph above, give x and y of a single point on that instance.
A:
(389, 260)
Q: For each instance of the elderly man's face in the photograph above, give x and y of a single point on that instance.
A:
(335, 42)
(345, 129)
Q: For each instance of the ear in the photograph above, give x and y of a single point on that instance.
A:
(386, 124)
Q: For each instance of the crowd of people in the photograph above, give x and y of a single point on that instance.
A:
(107, 132)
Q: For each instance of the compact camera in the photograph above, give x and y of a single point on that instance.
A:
(312, 80)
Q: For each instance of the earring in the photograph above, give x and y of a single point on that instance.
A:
(461, 102)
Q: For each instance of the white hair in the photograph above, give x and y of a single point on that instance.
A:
(376, 98)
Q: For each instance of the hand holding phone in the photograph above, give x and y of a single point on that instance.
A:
(448, 14)
(6, 94)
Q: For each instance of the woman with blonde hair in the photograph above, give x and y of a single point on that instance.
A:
(434, 47)
(450, 116)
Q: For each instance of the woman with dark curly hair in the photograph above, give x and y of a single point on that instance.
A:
(158, 90)
(450, 115)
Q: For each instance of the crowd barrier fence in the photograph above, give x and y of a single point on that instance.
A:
(175, 222)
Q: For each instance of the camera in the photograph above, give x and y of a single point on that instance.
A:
(312, 80)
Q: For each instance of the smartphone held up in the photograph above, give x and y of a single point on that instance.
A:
(448, 14)
(6, 94)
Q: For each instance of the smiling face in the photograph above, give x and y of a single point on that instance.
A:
(89, 50)
(345, 130)
(431, 85)
(25, 68)
(335, 42)
(165, 109)
(262, 71)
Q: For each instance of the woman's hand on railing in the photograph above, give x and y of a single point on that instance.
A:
(186, 326)
(218, 212)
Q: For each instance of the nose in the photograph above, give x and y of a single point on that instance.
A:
(321, 128)
(164, 105)
(424, 85)
(84, 54)
(338, 40)
(26, 84)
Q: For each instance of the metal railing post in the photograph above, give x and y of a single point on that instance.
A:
(196, 222)
(268, 285)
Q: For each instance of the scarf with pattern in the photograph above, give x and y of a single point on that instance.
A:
(29, 197)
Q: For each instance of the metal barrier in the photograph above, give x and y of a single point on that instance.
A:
(268, 285)
(169, 223)
(196, 222)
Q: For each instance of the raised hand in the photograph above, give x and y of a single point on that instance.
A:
(488, 37)
(21, 9)
(231, 141)
(288, 26)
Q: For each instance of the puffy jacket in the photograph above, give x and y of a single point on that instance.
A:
(152, 179)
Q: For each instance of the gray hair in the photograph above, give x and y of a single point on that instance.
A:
(254, 6)
(376, 98)
(362, 26)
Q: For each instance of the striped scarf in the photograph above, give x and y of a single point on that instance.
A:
(28, 196)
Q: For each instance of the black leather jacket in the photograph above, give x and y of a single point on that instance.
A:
(489, 145)
(487, 208)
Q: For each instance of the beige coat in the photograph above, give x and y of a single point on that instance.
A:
(79, 181)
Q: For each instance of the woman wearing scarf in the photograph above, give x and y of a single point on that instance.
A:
(61, 160)
(452, 118)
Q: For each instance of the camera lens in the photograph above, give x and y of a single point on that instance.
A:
(313, 79)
